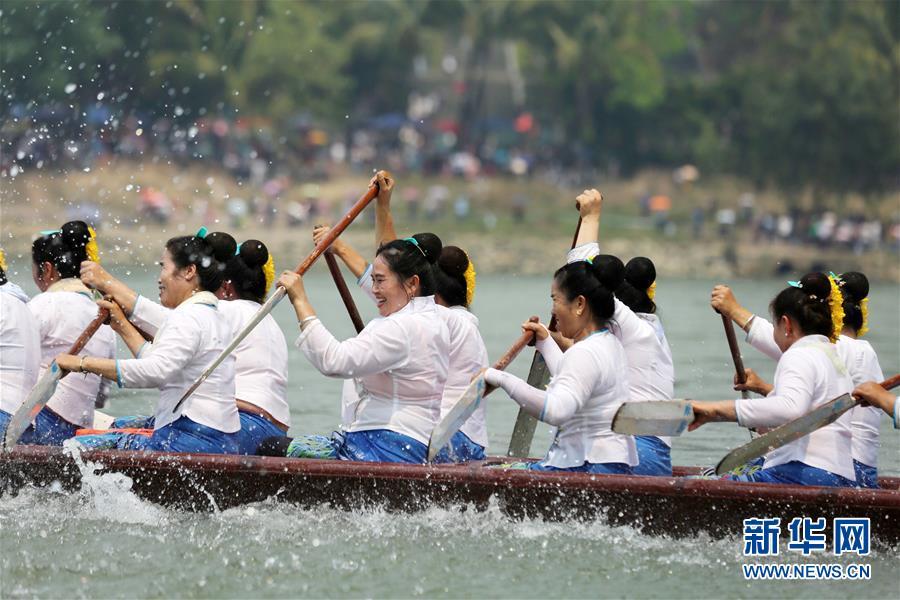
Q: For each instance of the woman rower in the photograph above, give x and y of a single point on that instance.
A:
(872, 394)
(857, 354)
(809, 374)
(398, 362)
(192, 336)
(62, 311)
(589, 381)
(260, 360)
(20, 348)
(454, 276)
(651, 373)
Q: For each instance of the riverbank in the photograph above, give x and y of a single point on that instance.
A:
(506, 225)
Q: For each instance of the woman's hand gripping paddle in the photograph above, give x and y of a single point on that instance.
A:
(471, 399)
(280, 292)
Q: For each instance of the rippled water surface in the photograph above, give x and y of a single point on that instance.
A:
(105, 542)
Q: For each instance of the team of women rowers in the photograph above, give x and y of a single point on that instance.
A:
(407, 367)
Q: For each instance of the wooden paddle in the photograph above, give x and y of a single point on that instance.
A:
(42, 391)
(735, 353)
(538, 376)
(280, 292)
(794, 430)
(660, 418)
(341, 285)
(471, 399)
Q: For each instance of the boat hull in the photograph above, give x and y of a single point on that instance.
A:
(676, 506)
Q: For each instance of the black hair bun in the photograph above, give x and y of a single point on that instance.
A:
(221, 245)
(76, 235)
(640, 272)
(608, 270)
(854, 286)
(816, 284)
(431, 246)
(254, 253)
(453, 261)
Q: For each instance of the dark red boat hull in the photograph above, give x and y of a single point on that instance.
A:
(675, 506)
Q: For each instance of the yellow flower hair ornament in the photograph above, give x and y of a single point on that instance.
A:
(864, 309)
(836, 306)
(269, 272)
(651, 291)
(2, 260)
(93, 252)
(469, 276)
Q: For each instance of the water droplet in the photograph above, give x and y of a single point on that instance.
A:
(71, 87)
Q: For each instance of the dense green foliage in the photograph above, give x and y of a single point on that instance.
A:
(791, 93)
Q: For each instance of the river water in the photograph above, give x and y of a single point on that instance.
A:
(105, 542)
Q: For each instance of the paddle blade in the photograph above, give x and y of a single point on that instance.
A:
(790, 432)
(467, 404)
(667, 418)
(37, 399)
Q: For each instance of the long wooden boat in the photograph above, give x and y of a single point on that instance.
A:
(676, 506)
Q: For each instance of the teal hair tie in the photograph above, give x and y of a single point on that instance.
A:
(51, 231)
(237, 250)
(415, 243)
(201, 233)
(795, 284)
(589, 260)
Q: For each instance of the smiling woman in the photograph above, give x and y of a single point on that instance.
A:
(398, 361)
(195, 332)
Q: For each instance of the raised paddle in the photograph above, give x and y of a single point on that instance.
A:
(735, 353)
(538, 376)
(471, 399)
(280, 292)
(341, 285)
(42, 391)
(794, 430)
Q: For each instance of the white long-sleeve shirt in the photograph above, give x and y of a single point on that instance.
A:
(20, 348)
(651, 371)
(861, 362)
(808, 375)
(399, 364)
(62, 313)
(189, 340)
(260, 360)
(468, 355)
(588, 384)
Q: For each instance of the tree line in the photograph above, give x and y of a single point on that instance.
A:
(796, 94)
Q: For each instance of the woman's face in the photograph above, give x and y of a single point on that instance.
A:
(390, 293)
(572, 317)
(175, 285)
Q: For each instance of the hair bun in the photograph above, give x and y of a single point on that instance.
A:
(816, 284)
(453, 261)
(254, 253)
(640, 272)
(430, 245)
(76, 235)
(608, 270)
(221, 245)
(854, 286)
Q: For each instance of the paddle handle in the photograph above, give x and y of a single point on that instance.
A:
(891, 382)
(552, 325)
(735, 351)
(280, 292)
(88, 333)
(341, 285)
(526, 339)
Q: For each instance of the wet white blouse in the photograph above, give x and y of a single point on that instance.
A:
(588, 384)
(260, 360)
(861, 362)
(190, 338)
(651, 371)
(20, 348)
(62, 313)
(468, 355)
(808, 375)
(399, 364)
